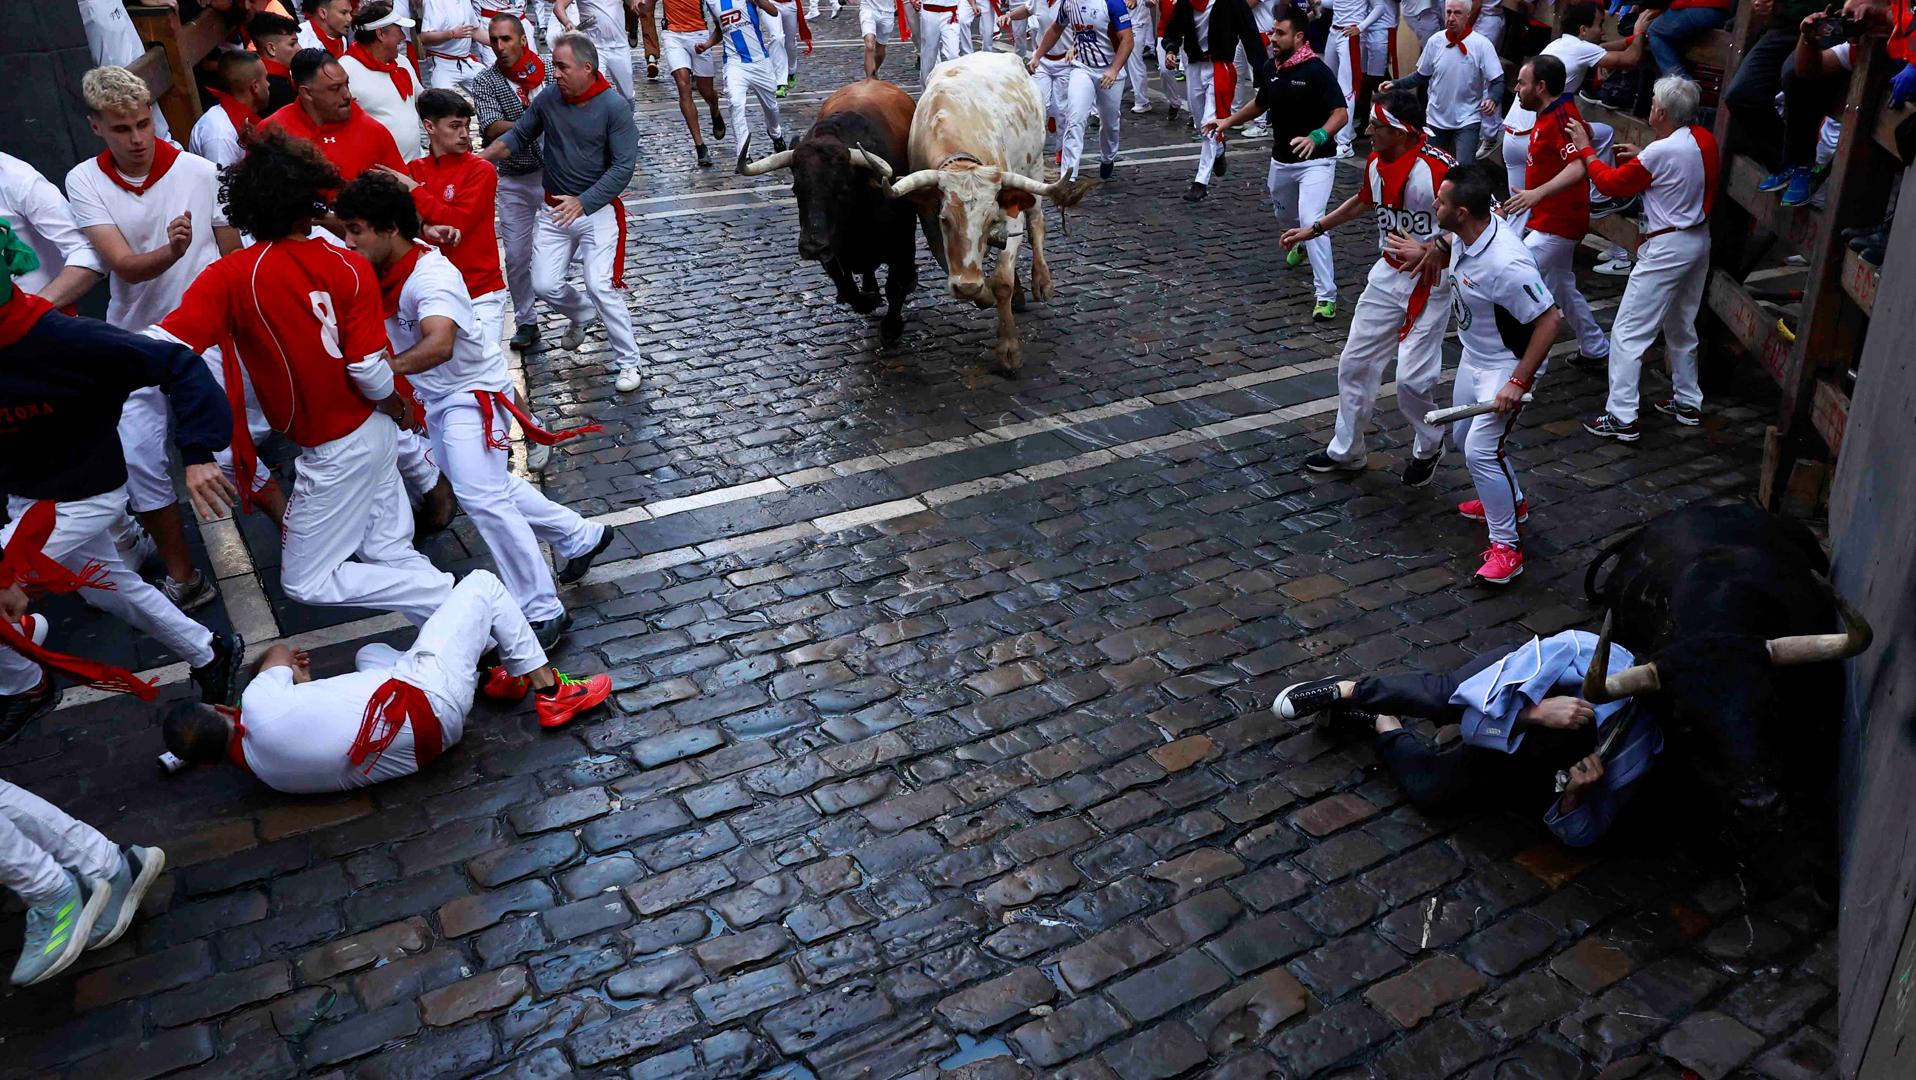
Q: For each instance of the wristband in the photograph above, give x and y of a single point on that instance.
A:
(1522, 384)
(1319, 137)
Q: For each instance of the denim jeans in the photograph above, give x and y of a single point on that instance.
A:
(1755, 127)
(1675, 29)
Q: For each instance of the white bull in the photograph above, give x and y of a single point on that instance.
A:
(977, 140)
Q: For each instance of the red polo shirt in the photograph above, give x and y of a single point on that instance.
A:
(353, 146)
(460, 190)
(1566, 213)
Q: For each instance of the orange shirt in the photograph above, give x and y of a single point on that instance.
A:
(684, 16)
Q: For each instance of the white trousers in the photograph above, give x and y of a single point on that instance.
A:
(1555, 261)
(1425, 23)
(745, 83)
(256, 425)
(1208, 86)
(1373, 342)
(1490, 23)
(478, 613)
(81, 535)
(615, 60)
(144, 424)
(1346, 60)
(978, 34)
(444, 74)
(520, 200)
(939, 38)
(1136, 75)
(1299, 193)
(788, 20)
(1482, 438)
(1082, 92)
(38, 842)
(598, 240)
(348, 530)
(1664, 292)
(511, 515)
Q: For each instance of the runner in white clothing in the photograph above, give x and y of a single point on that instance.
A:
(460, 377)
(113, 41)
(451, 33)
(603, 22)
(381, 76)
(237, 104)
(1050, 72)
(69, 268)
(750, 33)
(940, 27)
(1463, 81)
(1100, 43)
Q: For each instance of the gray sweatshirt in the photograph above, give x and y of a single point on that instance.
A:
(589, 149)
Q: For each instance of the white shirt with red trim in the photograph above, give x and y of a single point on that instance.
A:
(376, 93)
(296, 736)
(215, 139)
(191, 185)
(1675, 175)
(42, 218)
(436, 288)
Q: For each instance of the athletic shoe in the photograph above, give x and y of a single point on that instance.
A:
(1586, 362)
(57, 931)
(783, 89)
(1141, 107)
(1867, 236)
(1474, 510)
(570, 697)
(778, 144)
(525, 337)
(219, 679)
(1687, 415)
(501, 686)
(1170, 113)
(705, 156)
(1346, 152)
(1106, 168)
(549, 631)
(1222, 165)
(1323, 310)
(1489, 147)
(139, 868)
(1322, 461)
(576, 567)
(141, 555)
(627, 380)
(189, 595)
(1874, 254)
(1588, 95)
(1419, 471)
(1803, 184)
(1606, 426)
(1178, 75)
(1616, 267)
(573, 337)
(1501, 563)
(652, 68)
(1197, 191)
(718, 126)
(1295, 256)
(1299, 700)
(19, 710)
(1776, 181)
(538, 457)
(1603, 208)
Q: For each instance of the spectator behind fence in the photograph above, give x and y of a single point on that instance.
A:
(1815, 84)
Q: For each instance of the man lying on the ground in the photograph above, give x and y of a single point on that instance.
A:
(1521, 721)
(395, 712)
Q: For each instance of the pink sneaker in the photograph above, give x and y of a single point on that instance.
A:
(1501, 563)
(1474, 510)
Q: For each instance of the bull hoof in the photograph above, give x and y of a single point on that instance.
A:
(1041, 288)
(1010, 360)
(866, 303)
(890, 329)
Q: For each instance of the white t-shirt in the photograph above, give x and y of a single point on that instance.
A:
(192, 184)
(1496, 274)
(297, 736)
(435, 287)
(437, 15)
(601, 20)
(1675, 198)
(42, 219)
(1459, 77)
(215, 139)
(1579, 58)
(375, 92)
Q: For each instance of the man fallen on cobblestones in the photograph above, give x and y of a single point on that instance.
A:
(391, 716)
(1521, 721)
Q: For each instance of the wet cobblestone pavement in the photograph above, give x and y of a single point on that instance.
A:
(942, 746)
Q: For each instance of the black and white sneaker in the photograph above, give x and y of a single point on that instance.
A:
(1221, 165)
(219, 679)
(549, 631)
(1687, 415)
(1299, 700)
(1603, 208)
(718, 126)
(1322, 461)
(1106, 168)
(577, 566)
(1606, 426)
(705, 156)
(1419, 471)
(1198, 191)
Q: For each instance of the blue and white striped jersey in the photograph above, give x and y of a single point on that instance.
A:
(1094, 26)
(743, 28)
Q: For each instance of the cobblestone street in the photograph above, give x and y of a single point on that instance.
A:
(942, 746)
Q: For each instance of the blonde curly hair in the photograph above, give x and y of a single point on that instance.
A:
(114, 89)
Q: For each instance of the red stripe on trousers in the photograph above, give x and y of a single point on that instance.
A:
(618, 260)
(1223, 87)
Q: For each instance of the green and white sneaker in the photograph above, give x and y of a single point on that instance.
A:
(139, 868)
(57, 932)
(1324, 311)
(1295, 256)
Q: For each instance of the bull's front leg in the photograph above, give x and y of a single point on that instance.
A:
(1040, 269)
(901, 277)
(1004, 287)
(848, 291)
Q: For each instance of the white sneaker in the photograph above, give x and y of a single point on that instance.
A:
(1346, 151)
(1615, 267)
(538, 456)
(1141, 107)
(573, 337)
(627, 381)
(142, 555)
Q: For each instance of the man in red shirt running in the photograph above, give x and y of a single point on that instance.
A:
(308, 320)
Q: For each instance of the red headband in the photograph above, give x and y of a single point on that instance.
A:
(1386, 118)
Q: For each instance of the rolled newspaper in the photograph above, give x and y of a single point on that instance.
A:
(1475, 408)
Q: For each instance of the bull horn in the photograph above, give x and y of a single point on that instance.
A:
(780, 160)
(1601, 688)
(1026, 183)
(862, 158)
(920, 179)
(1812, 648)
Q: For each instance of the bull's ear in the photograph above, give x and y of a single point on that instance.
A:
(1015, 201)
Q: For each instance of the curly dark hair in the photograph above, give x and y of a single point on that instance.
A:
(278, 188)
(380, 201)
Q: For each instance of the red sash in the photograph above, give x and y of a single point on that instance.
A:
(804, 31)
(392, 706)
(24, 562)
(534, 433)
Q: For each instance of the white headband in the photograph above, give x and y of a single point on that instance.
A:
(391, 18)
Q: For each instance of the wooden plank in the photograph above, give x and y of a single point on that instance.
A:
(1755, 329)
(1829, 414)
(1796, 225)
(1860, 280)
(1629, 129)
(1887, 121)
(153, 69)
(1618, 229)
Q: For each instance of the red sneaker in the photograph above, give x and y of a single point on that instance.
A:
(500, 686)
(571, 697)
(1474, 510)
(1501, 563)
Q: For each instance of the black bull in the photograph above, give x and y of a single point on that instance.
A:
(1734, 628)
(848, 220)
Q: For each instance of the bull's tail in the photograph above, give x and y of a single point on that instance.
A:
(1611, 551)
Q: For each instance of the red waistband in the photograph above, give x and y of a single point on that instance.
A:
(1060, 56)
(1668, 229)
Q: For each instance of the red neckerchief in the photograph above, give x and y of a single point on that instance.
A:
(528, 77)
(1457, 41)
(334, 45)
(239, 114)
(235, 746)
(599, 86)
(392, 280)
(25, 563)
(274, 67)
(1395, 174)
(402, 79)
(533, 432)
(21, 312)
(164, 155)
(1298, 55)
